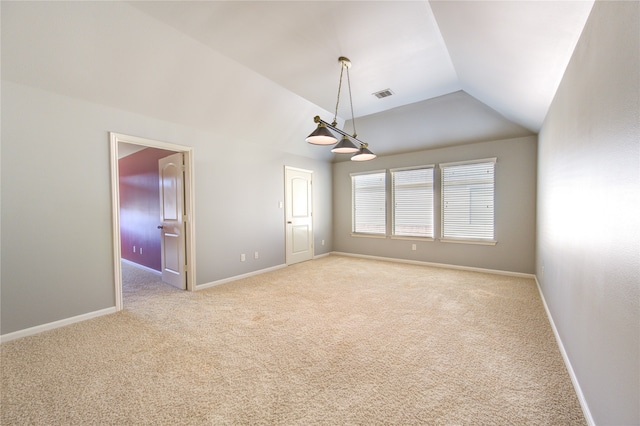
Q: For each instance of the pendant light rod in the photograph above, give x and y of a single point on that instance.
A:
(318, 120)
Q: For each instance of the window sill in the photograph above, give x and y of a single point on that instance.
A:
(407, 237)
(354, 234)
(476, 242)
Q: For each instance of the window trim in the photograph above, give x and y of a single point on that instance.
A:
(477, 242)
(493, 160)
(412, 238)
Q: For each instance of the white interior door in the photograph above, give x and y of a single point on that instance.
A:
(299, 215)
(171, 226)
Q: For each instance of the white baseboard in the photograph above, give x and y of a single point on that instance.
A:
(67, 321)
(238, 277)
(320, 256)
(576, 385)
(437, 265)
(56, 324)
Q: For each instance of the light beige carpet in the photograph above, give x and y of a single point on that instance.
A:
(335, 341)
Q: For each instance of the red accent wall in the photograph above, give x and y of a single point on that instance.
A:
(140, 207)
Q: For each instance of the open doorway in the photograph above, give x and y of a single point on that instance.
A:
(138, 234)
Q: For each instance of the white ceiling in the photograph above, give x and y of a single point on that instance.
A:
(510, 55)
(461, 71)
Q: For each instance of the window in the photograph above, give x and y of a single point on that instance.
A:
(412, 193)
(468, 200)
(368, 192)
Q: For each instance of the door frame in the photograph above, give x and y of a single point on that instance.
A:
(189, 207)
(313, 229)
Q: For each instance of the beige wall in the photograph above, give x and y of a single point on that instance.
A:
(588, 237)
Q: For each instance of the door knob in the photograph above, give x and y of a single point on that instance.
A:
(289, 222)
(160, 227)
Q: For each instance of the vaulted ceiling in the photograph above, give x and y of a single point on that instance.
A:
(509, 55)
(496, 63)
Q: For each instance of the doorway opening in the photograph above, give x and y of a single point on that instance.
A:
(184, 256)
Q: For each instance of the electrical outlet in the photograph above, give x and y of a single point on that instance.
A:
(542, 273)
(140, 250)
(322, 242)
(413, 247)
(243, 257)
(255, 255)
(134, 249)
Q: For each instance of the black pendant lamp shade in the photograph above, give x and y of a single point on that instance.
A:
(345, 146)
(363, 154)
(321, 136)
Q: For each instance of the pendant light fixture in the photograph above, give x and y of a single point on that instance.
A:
(349, 144)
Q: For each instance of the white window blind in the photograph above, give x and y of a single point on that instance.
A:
(368, 193)
(412, 191)
(468, 200)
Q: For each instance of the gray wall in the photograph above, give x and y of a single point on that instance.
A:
(514, 209)
(588, 250)
(56, 203)
(57, 256)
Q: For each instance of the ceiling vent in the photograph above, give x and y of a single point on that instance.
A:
(383, 93)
